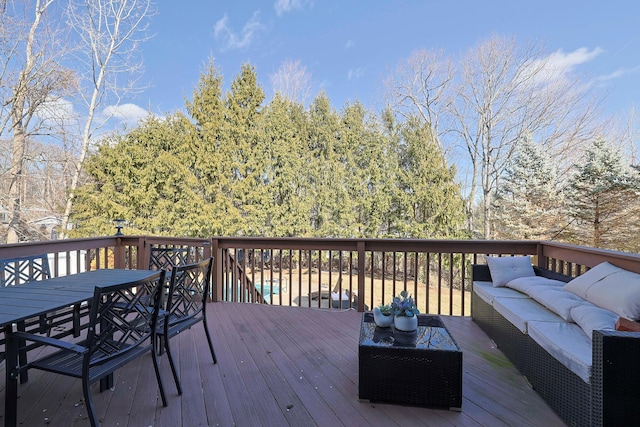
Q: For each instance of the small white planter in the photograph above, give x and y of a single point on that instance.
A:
(405, 323)
(380, 319)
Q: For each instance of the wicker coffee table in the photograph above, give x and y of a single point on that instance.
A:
(423, 368)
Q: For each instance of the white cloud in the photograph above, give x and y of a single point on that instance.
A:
(355, 73)
(58, 110)
(222, 31)
(129, 114)
(349, 44)
(284, 6)
(621, 72)
(564, 63)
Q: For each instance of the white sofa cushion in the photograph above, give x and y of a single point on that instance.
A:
(567, 343)
(556, 299)
(520, 311)
(505, 269)
(488, 293)
(592, 318)
(523, 284)
(614, 289)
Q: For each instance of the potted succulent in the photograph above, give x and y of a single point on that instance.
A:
(383, 315)
(405, 312)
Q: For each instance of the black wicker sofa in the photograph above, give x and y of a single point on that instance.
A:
(608, 395)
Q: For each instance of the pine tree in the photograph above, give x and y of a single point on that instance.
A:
(527, 204)
(287, 184)
(207, 110)
(243, 155)
(326, 170)
(144, 177)
(600, 196)
(431, 200)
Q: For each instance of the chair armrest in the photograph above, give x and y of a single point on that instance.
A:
(64, 345)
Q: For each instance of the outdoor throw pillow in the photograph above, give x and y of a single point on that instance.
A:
(505, 269)
(627, 325)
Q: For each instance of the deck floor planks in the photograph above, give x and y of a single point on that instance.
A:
(280, 394)
(302, 354)
(241, 380)
(263, 352)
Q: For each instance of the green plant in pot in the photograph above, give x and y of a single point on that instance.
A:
(405, 312)
(383, 315)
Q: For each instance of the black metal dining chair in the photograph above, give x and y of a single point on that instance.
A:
(186, 306)
(122, 327)
(21, 271)
(161, 257)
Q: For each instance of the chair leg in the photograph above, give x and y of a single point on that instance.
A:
(174, 371)
(154, 356)
(106, 383)
(206, 331)
(22, 355)
(88, 402)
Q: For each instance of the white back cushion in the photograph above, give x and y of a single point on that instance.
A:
(505, 269)
(581, 284)
(611, 288)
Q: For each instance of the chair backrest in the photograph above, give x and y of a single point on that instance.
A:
(188, 291)
(122, 319)
(168, 257)
(26, 269)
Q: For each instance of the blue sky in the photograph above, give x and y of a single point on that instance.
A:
(349, 47)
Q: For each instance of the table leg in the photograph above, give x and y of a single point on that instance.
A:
(11, 380)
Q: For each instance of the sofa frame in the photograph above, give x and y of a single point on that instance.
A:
(611, 398)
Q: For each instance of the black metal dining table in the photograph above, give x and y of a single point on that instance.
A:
(22, 302)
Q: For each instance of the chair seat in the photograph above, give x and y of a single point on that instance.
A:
(179, 324)
(70, 363)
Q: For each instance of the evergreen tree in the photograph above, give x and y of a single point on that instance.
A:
(329, 214)
(287, 184)
(366, 165)
(600, 196)
(144, 176)
(208, 111)
(243, 155)
(431, 200)
(527, 204)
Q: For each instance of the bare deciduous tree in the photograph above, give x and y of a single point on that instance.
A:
(292, 82)
(31, 77)
(110, 32)
(505, 92)
(422, 86)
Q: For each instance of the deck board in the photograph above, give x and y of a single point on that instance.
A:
(282, 366)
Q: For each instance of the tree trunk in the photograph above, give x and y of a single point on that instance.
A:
(16, 183)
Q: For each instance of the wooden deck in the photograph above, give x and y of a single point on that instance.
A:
(282, 366)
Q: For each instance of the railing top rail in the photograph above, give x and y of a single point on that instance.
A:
(590, 257)
(417, 245)
(51, 246)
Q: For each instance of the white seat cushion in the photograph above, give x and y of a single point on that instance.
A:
(488, 293)
(523, 284)
(520, 311)
(556, 299)
(567, 343)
